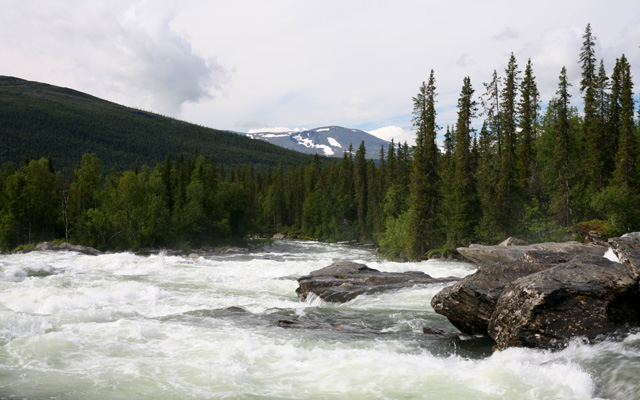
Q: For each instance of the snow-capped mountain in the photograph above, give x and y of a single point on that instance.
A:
(330, 141)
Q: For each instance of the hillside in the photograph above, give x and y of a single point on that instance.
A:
(45, 120)
(330, 141)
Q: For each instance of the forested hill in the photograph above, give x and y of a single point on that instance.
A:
(42, 120)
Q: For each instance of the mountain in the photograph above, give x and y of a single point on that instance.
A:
(330, 141)
(42, 120)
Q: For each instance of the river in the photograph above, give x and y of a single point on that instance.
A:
(123, 326)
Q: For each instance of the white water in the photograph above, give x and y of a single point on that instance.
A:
(123, 326)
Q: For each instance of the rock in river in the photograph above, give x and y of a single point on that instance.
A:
(469, 303)
(343, 281)
(585, 297)
(552, 293)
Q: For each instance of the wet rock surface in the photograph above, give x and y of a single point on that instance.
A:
(46, 246)
(627, 248)
(551, 293)
(585, 297)
(469, 303)
(343, 281)
(487, 255)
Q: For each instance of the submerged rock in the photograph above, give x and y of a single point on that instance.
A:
(47, 246)
(343, 281)
(585, 297)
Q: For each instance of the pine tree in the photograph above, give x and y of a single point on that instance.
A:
(626, 173)
(361, 191)
(490, 102)
(464, 207)
(509, 190)
(561, 151)
(486, 177)
(593, 155)
(528, 108)
(607, 142)
(424, 187)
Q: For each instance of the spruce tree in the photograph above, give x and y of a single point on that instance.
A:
(626, 173)
(593, 156)
(464, 207)
(508, 191)
(361, 191)
(424, 184)
(528, 108)
(561, 151)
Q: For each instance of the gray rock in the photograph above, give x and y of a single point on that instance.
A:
(343, 281)
(585, 297)
(486, 255)
(469, 303)
(46, 246)
(627, 248)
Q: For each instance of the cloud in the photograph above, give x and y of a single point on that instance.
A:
(125, 52)
(464, 61)
(556, 48)
(507, 34)
(398, 134)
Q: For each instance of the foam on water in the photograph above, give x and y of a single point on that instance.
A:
(124, 326)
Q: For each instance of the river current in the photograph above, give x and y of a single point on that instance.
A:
(123, 326)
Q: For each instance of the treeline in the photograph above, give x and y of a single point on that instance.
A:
(532, 173)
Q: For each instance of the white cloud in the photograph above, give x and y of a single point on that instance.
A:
(254, 64)
(125, 52)
(398, 134)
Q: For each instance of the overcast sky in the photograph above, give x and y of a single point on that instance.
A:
(245, 64)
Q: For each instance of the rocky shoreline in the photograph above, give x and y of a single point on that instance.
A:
(541, 295)
(545, 295)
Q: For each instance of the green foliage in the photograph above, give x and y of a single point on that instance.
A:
(529, 173)
(49, 120)
(392, 241)
(619, 206)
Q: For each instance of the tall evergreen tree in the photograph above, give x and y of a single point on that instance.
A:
(626, 173)
(361, 191)
(509, 188)
(464, 207)
(592, 150)
(561, 151)
(424, 186)
(528, 109)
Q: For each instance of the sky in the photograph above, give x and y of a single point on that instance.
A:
(249, 65)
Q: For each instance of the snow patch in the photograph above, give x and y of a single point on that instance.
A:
(323, 130)
(334, 142)
(308, 143)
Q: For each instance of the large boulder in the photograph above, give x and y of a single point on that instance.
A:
(469, 303)
(508, 252)
(343, 281)
(585, 297)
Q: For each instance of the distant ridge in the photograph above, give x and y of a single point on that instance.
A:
(42, 120)
(330, 141)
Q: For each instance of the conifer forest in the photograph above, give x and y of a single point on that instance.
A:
(513, 164)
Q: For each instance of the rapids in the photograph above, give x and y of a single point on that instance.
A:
(122, 326)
